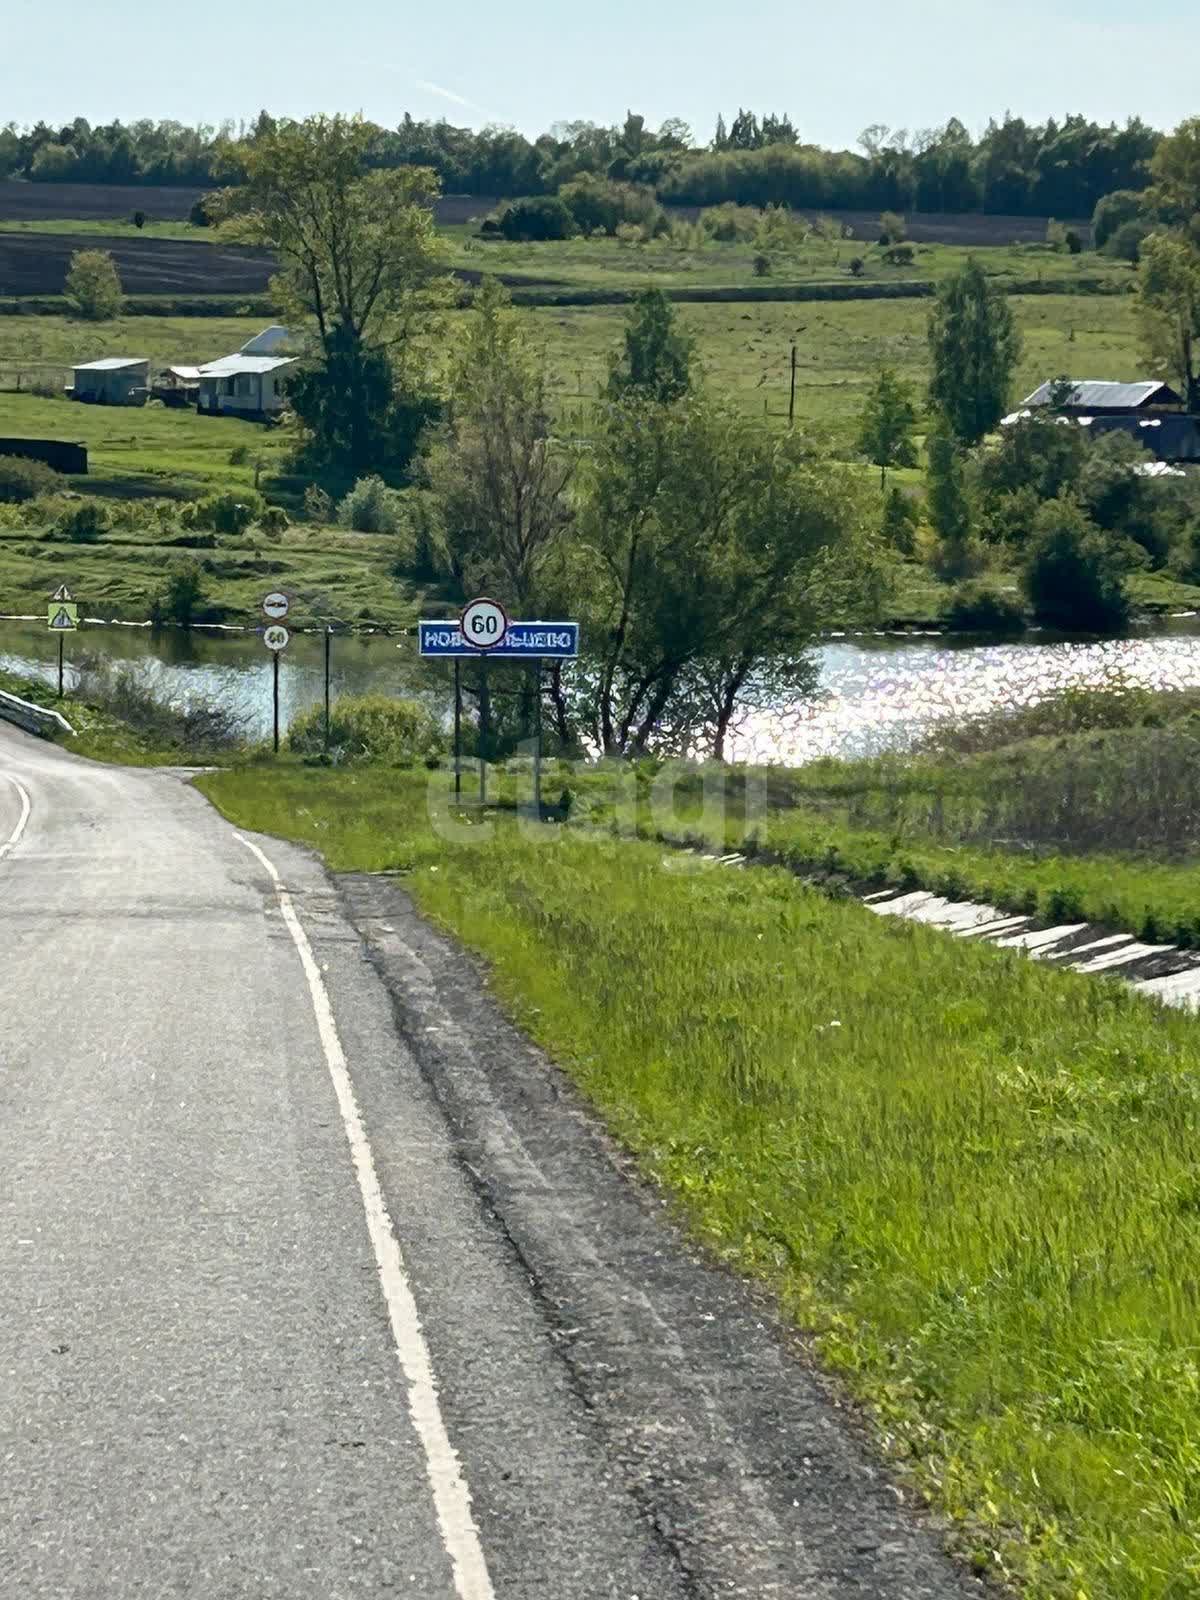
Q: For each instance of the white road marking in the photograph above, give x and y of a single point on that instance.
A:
(14, 837)
(451, 1496)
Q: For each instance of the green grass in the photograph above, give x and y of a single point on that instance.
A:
(46, 347)
(98, 734)
(973, 1178)
(329, 572)
(110, 228)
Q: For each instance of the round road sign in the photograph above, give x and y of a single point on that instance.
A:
(276, 638)
(484, 624)
(276, 606)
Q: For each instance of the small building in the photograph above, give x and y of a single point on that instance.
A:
(115, 381)
(243, 386)
(272, 341)
(178, 386)
(1091, 397)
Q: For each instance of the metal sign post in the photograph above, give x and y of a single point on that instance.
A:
(276, 638)
(328, 646)
(487, 622)
(62, 618)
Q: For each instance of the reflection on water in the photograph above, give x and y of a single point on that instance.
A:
(877, 692)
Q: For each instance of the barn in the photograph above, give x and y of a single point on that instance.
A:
(115, 381)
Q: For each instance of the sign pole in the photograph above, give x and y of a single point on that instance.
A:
(537, 738)
(457, 729)
(328, 642)
(485, 729)
(275, 694)
(61, 642)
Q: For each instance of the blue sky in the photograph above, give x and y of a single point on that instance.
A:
(833, 67)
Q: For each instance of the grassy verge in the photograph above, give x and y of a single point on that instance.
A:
(100, 734)
(973, 1178)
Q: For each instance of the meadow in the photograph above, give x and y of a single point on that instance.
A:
(972, 1179)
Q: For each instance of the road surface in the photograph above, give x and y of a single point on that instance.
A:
(316, 1282)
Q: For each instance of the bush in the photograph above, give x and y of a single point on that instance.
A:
(85, 523)
(373, 727)
(370, 507)
(1126, 243)
(900, 518)
(983, 609)
(1073, 241)
(274, 522)
(318, 505)
(1073, 576)
(199, 216)
(542, 216)
(762, 265)
(730, 223)
(599, 203)
(93, 285)
(900, 255)
(230, 513)
(1113, 212)
(182, 599)
(892, 228)
(22, 480)
(857, 266)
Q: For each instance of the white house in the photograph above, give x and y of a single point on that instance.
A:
(243, 386)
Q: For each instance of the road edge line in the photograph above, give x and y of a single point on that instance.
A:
(451, 1495)
(14, 838)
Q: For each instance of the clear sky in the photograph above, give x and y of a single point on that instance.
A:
(834, 67)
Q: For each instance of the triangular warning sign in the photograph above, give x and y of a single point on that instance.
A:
(61, 593)
(62, 619)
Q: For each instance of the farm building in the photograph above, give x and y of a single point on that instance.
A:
(1089, 397)
(115, 381)
(243, 386)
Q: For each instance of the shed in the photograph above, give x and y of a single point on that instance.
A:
(1095, 396)
(243, 386)
(115, 381)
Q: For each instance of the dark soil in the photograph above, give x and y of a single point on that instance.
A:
(37, 263)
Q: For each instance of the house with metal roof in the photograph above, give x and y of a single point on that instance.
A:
(1092, 397)
(114, 381)
(243, 386)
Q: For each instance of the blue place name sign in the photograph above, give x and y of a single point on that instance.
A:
(523, 641)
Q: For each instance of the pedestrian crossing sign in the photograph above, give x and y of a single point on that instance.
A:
(62, 616)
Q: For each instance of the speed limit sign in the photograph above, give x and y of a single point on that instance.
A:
(484, 624)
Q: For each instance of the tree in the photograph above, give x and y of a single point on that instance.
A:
(974, 346)
(655, 361)
(358, 253)
(1169, 309)
(885, 428)
(1174, 195)
(1114, 212)
(94, 285)
(709, 550)
(1073, 574)
(949, 505)
(496, 477)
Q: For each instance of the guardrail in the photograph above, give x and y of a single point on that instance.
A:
(34, 719)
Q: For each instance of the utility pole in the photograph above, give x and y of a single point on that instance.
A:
(792, 395)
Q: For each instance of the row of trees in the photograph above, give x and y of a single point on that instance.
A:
(1053, 168)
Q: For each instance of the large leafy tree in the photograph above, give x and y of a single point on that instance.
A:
(974, 345)
(358, 258)
(1169, 309)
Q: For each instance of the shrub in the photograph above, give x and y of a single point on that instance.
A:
(542, 216)
(900, 518)
(370, 507)
(93, 285)
(182, 599)
(85, 523)
(857, 266)
(274, 522)
(231, 512)
(762, 265)
(1126, 243)
(595, 202)
(900, 255)
(22, 480)
(629, 233)
(398, 733)
(199, 216)
(892, 228)
(1073, 240)
(1072, 577)
(1113, 212)
(239, 455)
(985, 609)
(318, 505)
(730, 223)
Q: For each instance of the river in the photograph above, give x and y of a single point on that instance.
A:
(876, 691)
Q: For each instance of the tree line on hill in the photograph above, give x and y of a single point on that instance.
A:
(1059, 168)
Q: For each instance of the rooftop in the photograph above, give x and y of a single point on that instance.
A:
(1101, 395)
(112, 364)
(231, 366)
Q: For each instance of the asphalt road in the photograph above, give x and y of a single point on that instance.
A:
(316, 1281)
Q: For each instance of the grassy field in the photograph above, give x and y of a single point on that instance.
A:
(109, 228)
(973, 1178)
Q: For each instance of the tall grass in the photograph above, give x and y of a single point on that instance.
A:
(974, 1178)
